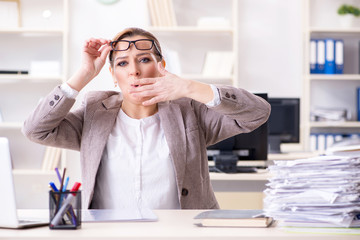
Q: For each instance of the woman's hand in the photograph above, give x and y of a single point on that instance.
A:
(170, 87)
(94, 56)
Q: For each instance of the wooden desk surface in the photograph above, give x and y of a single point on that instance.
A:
(172, 224)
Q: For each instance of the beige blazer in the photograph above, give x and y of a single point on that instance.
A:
(189, 127)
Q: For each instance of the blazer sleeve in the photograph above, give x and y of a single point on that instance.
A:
(52, 123)
(239, 112)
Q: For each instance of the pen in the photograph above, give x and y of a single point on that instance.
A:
(53, 187)
(65, 207)
(61, 188)
(65, 185)
(62, 179)
(58, 174)
(64, 190)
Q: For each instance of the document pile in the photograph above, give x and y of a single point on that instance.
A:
(322, 191)
(322, 114)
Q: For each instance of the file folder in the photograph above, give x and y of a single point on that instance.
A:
(339, 56)
(320, 56)
(329, 56)
(313, 64)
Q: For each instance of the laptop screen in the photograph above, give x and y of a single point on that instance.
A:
(8, 216)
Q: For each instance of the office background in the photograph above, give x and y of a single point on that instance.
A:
(270, 58)
(269, 35)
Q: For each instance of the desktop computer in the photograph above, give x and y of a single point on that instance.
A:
(228, 154)
(284, 122)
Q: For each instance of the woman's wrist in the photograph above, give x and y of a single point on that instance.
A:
(200, 92)
(79, 80)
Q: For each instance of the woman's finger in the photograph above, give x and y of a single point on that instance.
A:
(144, 81)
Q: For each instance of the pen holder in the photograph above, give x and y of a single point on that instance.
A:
(65, 210)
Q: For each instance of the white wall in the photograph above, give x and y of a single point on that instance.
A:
(269, 36)
(271, 46)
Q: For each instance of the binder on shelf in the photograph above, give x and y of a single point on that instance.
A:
(358, 103)
(10, 14)
(322, 141)
(313, 64)
(172, 13)
(359, 56)
(329, 56)
(218, 64)
(51, 158)
(162, 13)
(339, 56)
(153, 13)
(320, 56)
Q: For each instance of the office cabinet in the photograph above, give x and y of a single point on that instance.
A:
(33, 61)
(330, 91)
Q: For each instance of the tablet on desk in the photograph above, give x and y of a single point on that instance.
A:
(118, 215)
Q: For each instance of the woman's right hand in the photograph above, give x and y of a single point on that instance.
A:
(94, 56)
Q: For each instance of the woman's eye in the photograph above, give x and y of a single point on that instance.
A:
(122, 64)
(145, 60)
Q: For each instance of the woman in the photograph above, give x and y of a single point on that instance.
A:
(145, 146)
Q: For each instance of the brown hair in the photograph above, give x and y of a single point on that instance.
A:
(129, 32)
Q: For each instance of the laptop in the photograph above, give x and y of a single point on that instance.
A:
(8, 211)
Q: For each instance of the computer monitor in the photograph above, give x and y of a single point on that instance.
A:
(284, 122)
(245, 146)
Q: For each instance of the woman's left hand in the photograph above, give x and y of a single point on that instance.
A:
(170, 87)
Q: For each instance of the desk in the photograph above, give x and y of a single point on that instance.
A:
(240, 182)
(172, 224)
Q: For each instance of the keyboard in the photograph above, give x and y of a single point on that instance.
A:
(239, 169)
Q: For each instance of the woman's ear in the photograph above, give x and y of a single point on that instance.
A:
(114, 79)
(161, 67)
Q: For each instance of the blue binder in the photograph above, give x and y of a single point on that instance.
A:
(313, 62)
(320, 56)
(358, 103)
(339, 56)
(329, 56)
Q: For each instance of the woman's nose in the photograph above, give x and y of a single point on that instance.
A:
(134, 70)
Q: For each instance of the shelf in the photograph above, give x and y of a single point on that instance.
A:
(207, 78)
(32, 30)
(11, 125)
(354, 77)
(189, 29)
(32, 172)
(11, 78)
(349, 124)
(334, 30)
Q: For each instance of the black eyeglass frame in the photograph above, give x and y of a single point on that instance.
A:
(153, 43)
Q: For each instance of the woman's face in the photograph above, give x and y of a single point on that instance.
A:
(133, 64)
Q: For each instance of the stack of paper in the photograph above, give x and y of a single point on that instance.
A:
(322, 191)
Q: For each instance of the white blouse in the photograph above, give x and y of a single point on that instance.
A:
(136, 170)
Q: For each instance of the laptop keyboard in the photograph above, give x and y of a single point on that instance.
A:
(25, 221)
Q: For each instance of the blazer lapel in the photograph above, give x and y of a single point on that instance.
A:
(101, 126)
(171, 121)
(104, 120)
